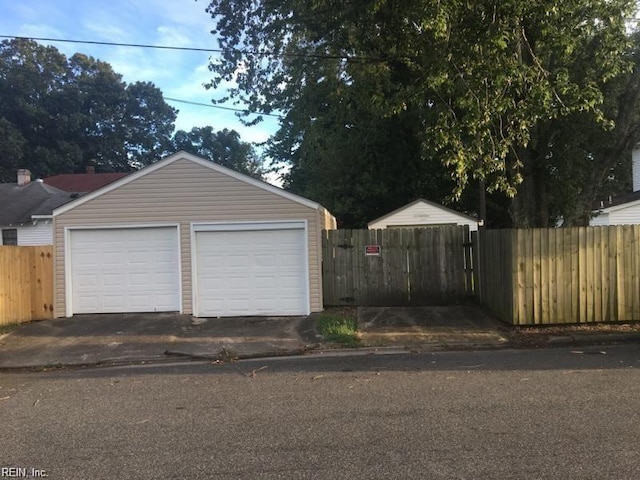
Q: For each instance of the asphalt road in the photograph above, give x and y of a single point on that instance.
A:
(541, 414)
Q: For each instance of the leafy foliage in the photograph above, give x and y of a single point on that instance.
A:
(574, 161)
(472, 83)
(223, 147)
(61, 114)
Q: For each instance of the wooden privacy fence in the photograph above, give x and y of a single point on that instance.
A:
(425, 266)
(560, 275)
(26, 284)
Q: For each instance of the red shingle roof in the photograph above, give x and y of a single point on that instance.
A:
(82, 182)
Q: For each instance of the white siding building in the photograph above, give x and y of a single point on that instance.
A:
(625, 209)
(423, 213)
(40, 232)
(26, 210)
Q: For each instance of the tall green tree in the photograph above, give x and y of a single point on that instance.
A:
(223, 147)
(574, 160)
(61, 114)
(479, 78)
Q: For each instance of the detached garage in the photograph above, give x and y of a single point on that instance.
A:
(190, 236)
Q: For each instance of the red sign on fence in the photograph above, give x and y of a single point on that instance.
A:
(372, 250)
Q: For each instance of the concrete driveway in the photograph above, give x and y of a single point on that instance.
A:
(126, 338)
(155, 337)
(439, 327)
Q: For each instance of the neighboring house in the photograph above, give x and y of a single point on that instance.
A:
(624, 209)
(26, 210)
(26, 207)
(185, 234)
(621, 210)
(423, 213)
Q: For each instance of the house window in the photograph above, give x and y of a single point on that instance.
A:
(10, 236)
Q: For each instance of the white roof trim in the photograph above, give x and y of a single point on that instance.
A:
(181, 155)
(620, 206)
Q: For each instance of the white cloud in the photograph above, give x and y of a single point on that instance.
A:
(172, 36)
(192, 84)
(257, 133)
(180, 12)
(42, 31)
(104, 31)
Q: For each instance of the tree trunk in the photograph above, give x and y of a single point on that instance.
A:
(530, 206)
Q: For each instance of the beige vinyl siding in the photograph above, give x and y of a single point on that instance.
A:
(184, 192)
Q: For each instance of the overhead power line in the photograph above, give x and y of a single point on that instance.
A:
(197, 49)
(114, 44)
(198, 104)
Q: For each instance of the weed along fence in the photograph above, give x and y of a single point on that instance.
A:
(560, 275)
(26, 284)
(422, 266)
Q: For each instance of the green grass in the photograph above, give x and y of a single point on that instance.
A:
(338, 328)
(8, 328)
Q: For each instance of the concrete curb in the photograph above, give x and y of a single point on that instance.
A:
(97, 364)
(592, 339)
(321, 350)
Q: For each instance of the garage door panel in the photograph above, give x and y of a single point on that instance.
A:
(125, 270)
(252, 272)
(142, 280)
(264, 283)
(164, 280)
(111, 301)
(112, 280)
(266, 261)
(86, 282)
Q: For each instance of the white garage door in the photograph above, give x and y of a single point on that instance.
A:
(251, 272)
(125, 270)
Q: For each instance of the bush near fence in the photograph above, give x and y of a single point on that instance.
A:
(26, 284)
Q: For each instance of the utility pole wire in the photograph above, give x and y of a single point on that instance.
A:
(198, 104)
(196, 49)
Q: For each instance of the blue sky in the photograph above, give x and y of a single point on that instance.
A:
(179, 74)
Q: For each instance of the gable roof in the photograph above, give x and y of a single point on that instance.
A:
(18, 204)
(618, 203)
(182, 155)
(83, 182)
(422, 200)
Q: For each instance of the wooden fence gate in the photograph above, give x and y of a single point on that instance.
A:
(422, 266)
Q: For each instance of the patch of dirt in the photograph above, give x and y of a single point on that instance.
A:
(345, 311)
(537, 336)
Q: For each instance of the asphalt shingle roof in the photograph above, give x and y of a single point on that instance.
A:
(82, 182)
(615, 201)
(19, 203)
